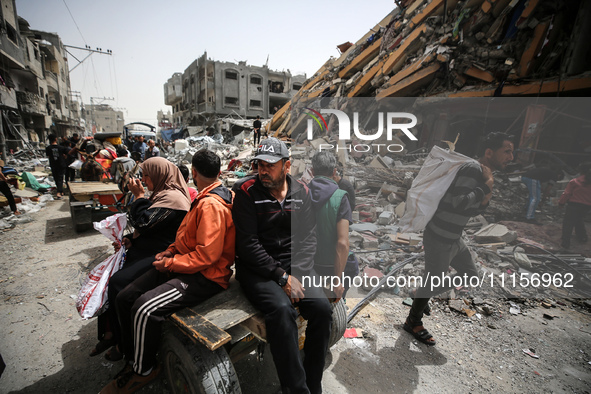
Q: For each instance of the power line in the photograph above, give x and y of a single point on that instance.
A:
(72, 16)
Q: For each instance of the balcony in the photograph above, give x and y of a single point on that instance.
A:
(31, 103)
(8, 97)
(51, 79)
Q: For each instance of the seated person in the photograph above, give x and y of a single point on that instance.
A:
(185, 171)
(155, 221)
(189, 271)
(275, 247)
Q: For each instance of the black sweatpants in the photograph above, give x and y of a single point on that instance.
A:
(439, 256)
(5, 189)
(143, 305)
(574, 218)
(282, 331)
(133, 268)
(256, 138)
(58, 177)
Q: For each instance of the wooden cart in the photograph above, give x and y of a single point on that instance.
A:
(92, 202)
(200, 344)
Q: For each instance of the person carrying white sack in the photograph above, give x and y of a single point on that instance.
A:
(468, 195)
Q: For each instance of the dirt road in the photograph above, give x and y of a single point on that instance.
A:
(45, 343)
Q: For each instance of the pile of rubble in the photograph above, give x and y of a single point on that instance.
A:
(455, 48)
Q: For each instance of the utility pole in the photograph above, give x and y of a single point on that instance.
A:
(88, 49)
(92, 109)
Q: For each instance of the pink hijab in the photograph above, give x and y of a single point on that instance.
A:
(170, 189)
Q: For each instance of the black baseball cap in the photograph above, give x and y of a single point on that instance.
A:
(272, 150)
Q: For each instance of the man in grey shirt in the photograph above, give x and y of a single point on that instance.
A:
(467, 196)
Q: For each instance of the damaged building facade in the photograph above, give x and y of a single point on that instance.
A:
(439, 50)
(209, 88)
(103, 118)
(35, 85)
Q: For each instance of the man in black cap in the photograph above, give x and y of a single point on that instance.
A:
(275, 247)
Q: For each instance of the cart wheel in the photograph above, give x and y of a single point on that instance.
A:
(192, 368)
(339, 322)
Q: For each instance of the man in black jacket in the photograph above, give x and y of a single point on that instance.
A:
(256, 128)
(275, 247)
(57, 155)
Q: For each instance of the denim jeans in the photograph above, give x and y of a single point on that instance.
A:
(535, 195)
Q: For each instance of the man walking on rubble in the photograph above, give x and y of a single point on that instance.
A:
(194, 268)
(275, 246)
(467, 196)
(256, 128)
(333, 215)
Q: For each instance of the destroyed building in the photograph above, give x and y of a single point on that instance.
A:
(208, 87)
(444, 49)
(35, 83)
(103, 118)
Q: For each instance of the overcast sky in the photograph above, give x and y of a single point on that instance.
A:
(151, 40)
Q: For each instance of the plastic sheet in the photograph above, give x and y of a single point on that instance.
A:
(92, 298)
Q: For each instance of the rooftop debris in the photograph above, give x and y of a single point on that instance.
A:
(455, 48)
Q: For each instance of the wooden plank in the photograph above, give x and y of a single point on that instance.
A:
(411, 83)
(313, 81)
(93, 188)
(529, 8)
(283, 125)
(485, 76)
(425, 13)
(201, 329)
(227, 308)
(413, 7)
(534, 47)
(256, 325)
(400, 51)
(362, 59)
(365, 80)
(540, 87)
(278, 115)
(297, 123)
(384, 22)
(399, 76)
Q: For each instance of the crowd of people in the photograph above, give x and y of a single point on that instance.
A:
(269, 226)
(183, 247)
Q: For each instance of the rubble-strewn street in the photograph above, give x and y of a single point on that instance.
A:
(481, 343)
(457, 131)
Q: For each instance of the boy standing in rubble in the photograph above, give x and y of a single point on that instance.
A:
(57, 155)
(467, 196)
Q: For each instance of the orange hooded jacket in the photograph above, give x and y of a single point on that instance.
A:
(205, 239)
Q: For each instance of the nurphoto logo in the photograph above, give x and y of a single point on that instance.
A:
(394, 121)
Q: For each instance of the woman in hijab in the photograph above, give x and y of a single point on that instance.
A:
(156, 220)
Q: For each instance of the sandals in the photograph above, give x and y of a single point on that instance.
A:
(422, 336)
(114, 354)
(102, 346)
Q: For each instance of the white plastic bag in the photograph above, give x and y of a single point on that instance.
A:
(428, 188)
(92, 298)
(77, 164)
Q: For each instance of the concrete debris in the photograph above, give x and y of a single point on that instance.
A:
(458, 49)
(495, 233)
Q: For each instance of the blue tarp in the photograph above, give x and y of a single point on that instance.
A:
(170, 135)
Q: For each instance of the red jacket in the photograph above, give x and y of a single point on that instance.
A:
(577, 191)
(206, 237)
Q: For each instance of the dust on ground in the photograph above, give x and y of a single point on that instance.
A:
(45, 343)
